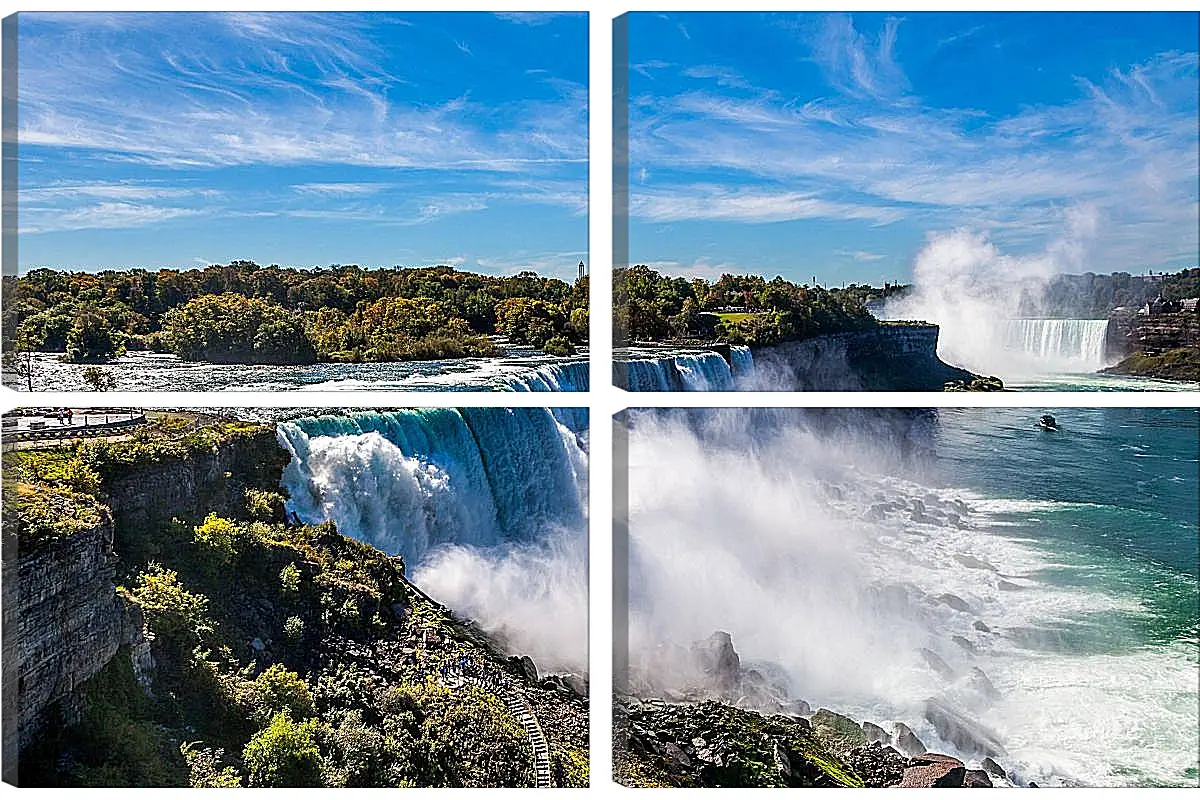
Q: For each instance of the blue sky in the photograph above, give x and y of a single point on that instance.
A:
(835, 145)
(180, 140)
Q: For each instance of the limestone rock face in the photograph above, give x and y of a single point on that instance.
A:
(887, 358)
(1150, 333)
(63, 623)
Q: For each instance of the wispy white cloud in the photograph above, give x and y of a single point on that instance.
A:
(336, 189)
(714, 203)
(860, 255)
(99, 215)
(1126, 146)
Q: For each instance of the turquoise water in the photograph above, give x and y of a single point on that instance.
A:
(845, 546)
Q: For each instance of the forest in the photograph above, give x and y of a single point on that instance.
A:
(246, 313)
(738, 309)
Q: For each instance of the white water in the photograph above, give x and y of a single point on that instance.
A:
(488, 507)
(684, 371)
(1057, 345)
(817, 557)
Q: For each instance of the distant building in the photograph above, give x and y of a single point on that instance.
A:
(582, 271)
(1190, 304)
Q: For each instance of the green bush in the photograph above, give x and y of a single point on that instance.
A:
(219, 534)
(289, 579)
(206, 770)
(170, 609)
(284, 754)
(278, 689)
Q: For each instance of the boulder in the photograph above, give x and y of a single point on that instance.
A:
(875, 733)
(839, 732)
(906, 741)
(971, 562)
(994, 769)
(964, 643)
(977, 779)
(877, 764)
(933, 770)
(676, 755)
(979, 626)
(937, 663)
(954, 601)
(720, 663)
(797, 708)
(961, 731)
(979, 683)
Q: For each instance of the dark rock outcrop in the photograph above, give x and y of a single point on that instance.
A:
(719, 662)
(908, 742)
(886, 358)
(933, 770)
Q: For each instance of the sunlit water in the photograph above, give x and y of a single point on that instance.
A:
(520, 370)
(829, 554)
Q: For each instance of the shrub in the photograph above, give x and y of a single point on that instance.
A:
(278, 689)
(218, 533)
(264, 506)
(206, 769)
(169, 608)
(559, 346)
(293, 630)
(284, 754)
(289, 579)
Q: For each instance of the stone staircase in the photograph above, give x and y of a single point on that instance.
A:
(519, 708)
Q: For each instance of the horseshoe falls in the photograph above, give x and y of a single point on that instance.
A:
(488, 507)
(1060, 345)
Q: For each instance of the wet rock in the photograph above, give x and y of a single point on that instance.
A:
(954, 601)
(937, 663)
(797, 708)
(840, 732)
(979, 683)
(875, 733)
(719, 661)
(782, 763)
(933, 770)
(1008, 586)
(977, 779)
(961, 731)
(672, 752)
(979, 626)
(964, 643)
(577, 684)
(994, 769)
(525, 665)
(258, 644)
(906, 741)
(877, 764)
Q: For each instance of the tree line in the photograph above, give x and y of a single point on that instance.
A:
(738, 309)
(246, 313)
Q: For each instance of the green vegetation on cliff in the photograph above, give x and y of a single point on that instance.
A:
(1181, 364)
(245, 313)
(282, 654)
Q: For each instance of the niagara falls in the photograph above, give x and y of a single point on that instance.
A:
(965, 582)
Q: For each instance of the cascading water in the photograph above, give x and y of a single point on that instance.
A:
(704, 371)
(742, 361)
(573, 377)
(488, 507)
(1057, 345)
(1045, 591)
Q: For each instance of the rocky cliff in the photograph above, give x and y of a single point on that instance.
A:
(887, 358)
(142, 496)
(63, 622)
(1151, 333)
(1155, 345)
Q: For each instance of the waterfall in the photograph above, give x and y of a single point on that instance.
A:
(683, 372)
(571, 377)
(742, 362)
(1064, 344)
(488, 507)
